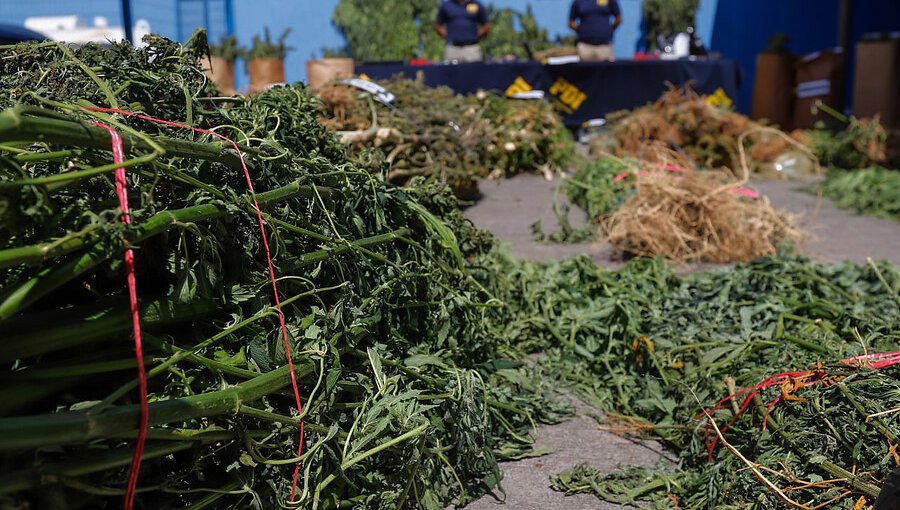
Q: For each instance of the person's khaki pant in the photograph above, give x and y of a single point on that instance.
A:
(471, 53)
(596, 53)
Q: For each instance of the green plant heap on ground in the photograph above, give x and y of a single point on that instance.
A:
(436, 133)
(403, 29)
(655, 350)
(410, 397)
(406, 324)
(871, 191)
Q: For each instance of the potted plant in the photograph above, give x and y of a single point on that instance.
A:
(265, 61)
(334, 65)
(220, 66)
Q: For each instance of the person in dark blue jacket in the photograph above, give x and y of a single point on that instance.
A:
(591, 19)
(462, 24)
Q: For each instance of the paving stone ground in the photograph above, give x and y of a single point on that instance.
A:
(509, 207)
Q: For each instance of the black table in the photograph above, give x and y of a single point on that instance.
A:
(580, 91)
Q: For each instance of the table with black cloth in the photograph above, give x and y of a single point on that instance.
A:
(581, 91)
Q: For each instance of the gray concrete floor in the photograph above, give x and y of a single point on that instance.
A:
(509, 208)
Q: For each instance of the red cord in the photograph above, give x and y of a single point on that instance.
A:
(262, 229)
(122, 192)
(875, 361)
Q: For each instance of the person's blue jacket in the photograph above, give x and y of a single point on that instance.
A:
(592, 19)
(462, 21)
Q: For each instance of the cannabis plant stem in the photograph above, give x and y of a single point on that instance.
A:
(832, 468)
(16, 126)
(78, 428)
(33, 477)
(52, 278)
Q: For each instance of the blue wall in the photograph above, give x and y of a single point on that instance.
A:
(742, 29)
(737, 28)
(160, 13)
(311, 21)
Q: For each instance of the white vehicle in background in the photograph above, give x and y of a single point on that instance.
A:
(73, 29)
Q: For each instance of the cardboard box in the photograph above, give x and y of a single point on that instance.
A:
(773, 89)
(876, 89)
(820, 77)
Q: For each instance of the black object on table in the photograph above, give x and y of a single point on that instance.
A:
(580, 91)
(890, 493)
(11, 34)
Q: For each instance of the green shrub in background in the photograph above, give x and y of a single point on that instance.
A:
(401, 29)
(227, 48)
(264, 47)
(389, 29)
(512, 31)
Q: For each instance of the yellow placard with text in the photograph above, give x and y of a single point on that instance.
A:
(518, 86)
(568, 95)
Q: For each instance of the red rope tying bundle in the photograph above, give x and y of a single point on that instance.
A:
(802, 378)
(122, 192)
(262, 228)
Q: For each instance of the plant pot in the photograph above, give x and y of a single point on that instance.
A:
(324, 71)
(265, 72)
(221, 72)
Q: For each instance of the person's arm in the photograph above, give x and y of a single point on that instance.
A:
(573, 16)
(614, 8)
(484, 24)
(484, 30)
(440, 25)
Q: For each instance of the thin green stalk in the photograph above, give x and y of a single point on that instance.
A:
(104, 87)
(17, 126)
(73, 242)
(830, 467)
(65, 371)
(34, 477)
(78, 428)
(326, 253)
(64, 329)
(893, 292)
(412, 475)
(280, 418)
(806, 344)
(33, 157)
(211, 499)
(112, 491)
(864, 414)
(365, 455)
(40, 252)
(384, 446)
(18, 298)
(15, 397)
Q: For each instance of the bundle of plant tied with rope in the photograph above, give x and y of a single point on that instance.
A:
(702, 128)
(457, 139)
(672, 211)
(406, 395)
